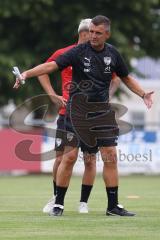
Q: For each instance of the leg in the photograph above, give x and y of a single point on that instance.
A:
(66, 166)
(59, 156)
(110, 176)
(87, 180)
(50, 204)
(63, 178)
(90, 169)
(110, 170)
(59, 148)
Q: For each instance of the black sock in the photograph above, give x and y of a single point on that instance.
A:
(85, 192)
(60, 195)
(54, 187)
(112, 193)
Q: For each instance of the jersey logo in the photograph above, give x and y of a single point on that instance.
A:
(107, 60)
(70, 136)
(87, 59)
(87, 64)
(58, 142)
(86, 69)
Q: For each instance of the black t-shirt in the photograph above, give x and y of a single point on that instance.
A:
(92, 70)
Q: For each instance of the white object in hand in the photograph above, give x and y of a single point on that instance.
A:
(17, 73)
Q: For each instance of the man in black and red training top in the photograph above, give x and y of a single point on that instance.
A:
(92, 62)
(89, 159)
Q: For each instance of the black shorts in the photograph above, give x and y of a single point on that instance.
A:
(63, 138)
(60, 134)
(93, 135)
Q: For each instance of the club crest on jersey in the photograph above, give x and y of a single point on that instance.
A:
(58, 142)
(87, 59)
(107, 60)
(70, 136)
(87, 64)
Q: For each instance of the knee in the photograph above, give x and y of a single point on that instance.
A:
(58, 160)
(110, 165)
(69, 159)
(90, 161)
(110, 160)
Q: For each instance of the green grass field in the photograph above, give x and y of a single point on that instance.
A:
(22, 198)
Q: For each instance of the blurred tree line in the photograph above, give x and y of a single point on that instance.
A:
(30, 30)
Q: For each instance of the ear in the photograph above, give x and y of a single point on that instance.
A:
(108, 34)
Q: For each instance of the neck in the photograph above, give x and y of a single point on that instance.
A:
(81, 40)
(98, 48)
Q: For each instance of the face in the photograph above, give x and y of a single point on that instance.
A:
(84, 36)
(98, 36)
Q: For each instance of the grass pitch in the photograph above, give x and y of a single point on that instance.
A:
(22, 199)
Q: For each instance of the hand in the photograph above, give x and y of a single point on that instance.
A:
(148, 99)
(59, 100)
(18, 82)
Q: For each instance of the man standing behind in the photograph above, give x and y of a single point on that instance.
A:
(89, 161)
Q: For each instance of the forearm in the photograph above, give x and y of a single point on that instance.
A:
(41, 69)
(133, 85)
(114, 86)
(46, 84)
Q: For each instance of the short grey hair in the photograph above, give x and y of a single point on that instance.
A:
(84, 25)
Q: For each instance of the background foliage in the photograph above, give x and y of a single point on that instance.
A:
(31, 30)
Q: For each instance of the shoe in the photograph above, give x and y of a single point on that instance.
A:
(57, 210)
(49, 206)
(83, 208)
(119, 211)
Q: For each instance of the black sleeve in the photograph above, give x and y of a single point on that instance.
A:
(121, 68)
(67, 59)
